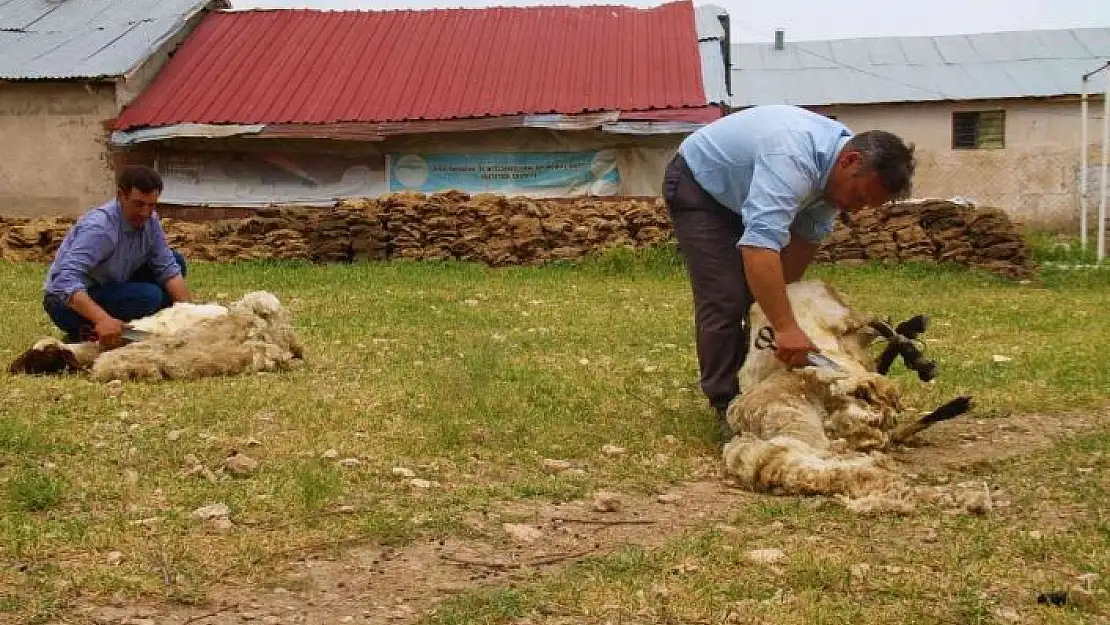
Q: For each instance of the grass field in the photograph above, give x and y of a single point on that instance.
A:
(470, 377)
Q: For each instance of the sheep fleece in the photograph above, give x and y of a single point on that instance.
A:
(253, 334)
(814, 431)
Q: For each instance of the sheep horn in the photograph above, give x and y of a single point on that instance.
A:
(950, 410)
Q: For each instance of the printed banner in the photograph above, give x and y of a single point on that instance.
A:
(243, 179)
(537, 174)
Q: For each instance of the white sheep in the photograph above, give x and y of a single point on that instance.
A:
(819, 431)
(185, 341)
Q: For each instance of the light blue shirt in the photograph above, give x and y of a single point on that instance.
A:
(770, 164)
(102, 248)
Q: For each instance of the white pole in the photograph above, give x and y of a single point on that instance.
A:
(1105, 163)
(1083, 169)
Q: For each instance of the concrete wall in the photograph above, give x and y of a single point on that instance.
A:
(55, 160)
(1035, 177)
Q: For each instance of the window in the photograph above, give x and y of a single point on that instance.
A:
(979, 130)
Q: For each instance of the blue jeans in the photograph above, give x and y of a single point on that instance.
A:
(139, 297)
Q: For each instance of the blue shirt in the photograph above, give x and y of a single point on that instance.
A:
(102, 248)
(770, 164)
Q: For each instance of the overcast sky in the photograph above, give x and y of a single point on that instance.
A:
(755, 20)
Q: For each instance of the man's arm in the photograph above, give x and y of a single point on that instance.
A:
(796, 258)
(165, 265)
(780, 182)
(178, 290)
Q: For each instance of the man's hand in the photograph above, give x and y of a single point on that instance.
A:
(793, 345)
(108, 332)
(764, 272)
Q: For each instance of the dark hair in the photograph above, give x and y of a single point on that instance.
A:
(888, 155)
(139, 177)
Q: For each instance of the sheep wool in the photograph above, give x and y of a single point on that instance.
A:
(185, 342)
(815, 430)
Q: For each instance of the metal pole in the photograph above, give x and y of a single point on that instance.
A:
(1105, 163)
(1083, 169)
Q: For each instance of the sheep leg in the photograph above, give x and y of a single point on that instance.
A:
(950, 410)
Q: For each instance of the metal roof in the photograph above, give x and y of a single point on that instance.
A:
(66, 39)
(300, 66)
(712, 40)
(1036, 63)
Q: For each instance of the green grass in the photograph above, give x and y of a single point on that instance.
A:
(470, 377)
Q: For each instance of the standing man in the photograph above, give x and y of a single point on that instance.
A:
(751, 196)
(114, 265)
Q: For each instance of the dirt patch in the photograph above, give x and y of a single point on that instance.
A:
(967, 442)
(526, 540)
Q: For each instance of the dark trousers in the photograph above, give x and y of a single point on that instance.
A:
(139, 297)
(707, 234)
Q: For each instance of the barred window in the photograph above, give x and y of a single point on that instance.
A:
(979, 130)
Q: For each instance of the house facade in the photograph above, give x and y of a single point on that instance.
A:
(995, 117)
(66, 71)
(308, 107)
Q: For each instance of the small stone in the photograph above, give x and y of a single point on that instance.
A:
(141, 621)
(240, 464)
(522, 533)
(575, 472)
(605, 501)
(583, 361)
(1035, 534)
(552, 466)
(347, 619)
(113, 558)
(248, 616)
(1087, 580)
(670, 439)
(928, 535)
(222, 524)
(115, 388)
(346, 509)
(613, 450)
(765, 556)
(421, 483)
(404, 472)
(669, 498)
(331, 454)
(252, 442)
(1001, 358)
(173, 435)
(776, 526)
(861, 570)
(190, 460)
(211, 511)
(350, 462)
(1007, 614)
(132, 476)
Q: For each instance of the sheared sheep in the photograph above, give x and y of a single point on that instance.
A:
(185, 341)
(819, 431)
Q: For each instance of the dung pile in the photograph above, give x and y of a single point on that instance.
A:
(930, 231)
(34, 241)
(498, 230)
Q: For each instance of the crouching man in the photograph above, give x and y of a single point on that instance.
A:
(115, 265)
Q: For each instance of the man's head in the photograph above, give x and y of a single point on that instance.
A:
(874, 168)
(138, 189)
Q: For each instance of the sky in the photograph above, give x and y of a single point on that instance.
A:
(756, 20)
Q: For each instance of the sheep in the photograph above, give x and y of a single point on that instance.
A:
(185, 341)
(818, 431)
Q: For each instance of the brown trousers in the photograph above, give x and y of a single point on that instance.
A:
(707, 234)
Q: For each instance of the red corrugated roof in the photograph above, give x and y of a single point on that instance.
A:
(309, 66)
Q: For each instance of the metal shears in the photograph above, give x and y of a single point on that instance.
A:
(765, 339)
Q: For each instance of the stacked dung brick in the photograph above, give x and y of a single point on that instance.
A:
(497, 230)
